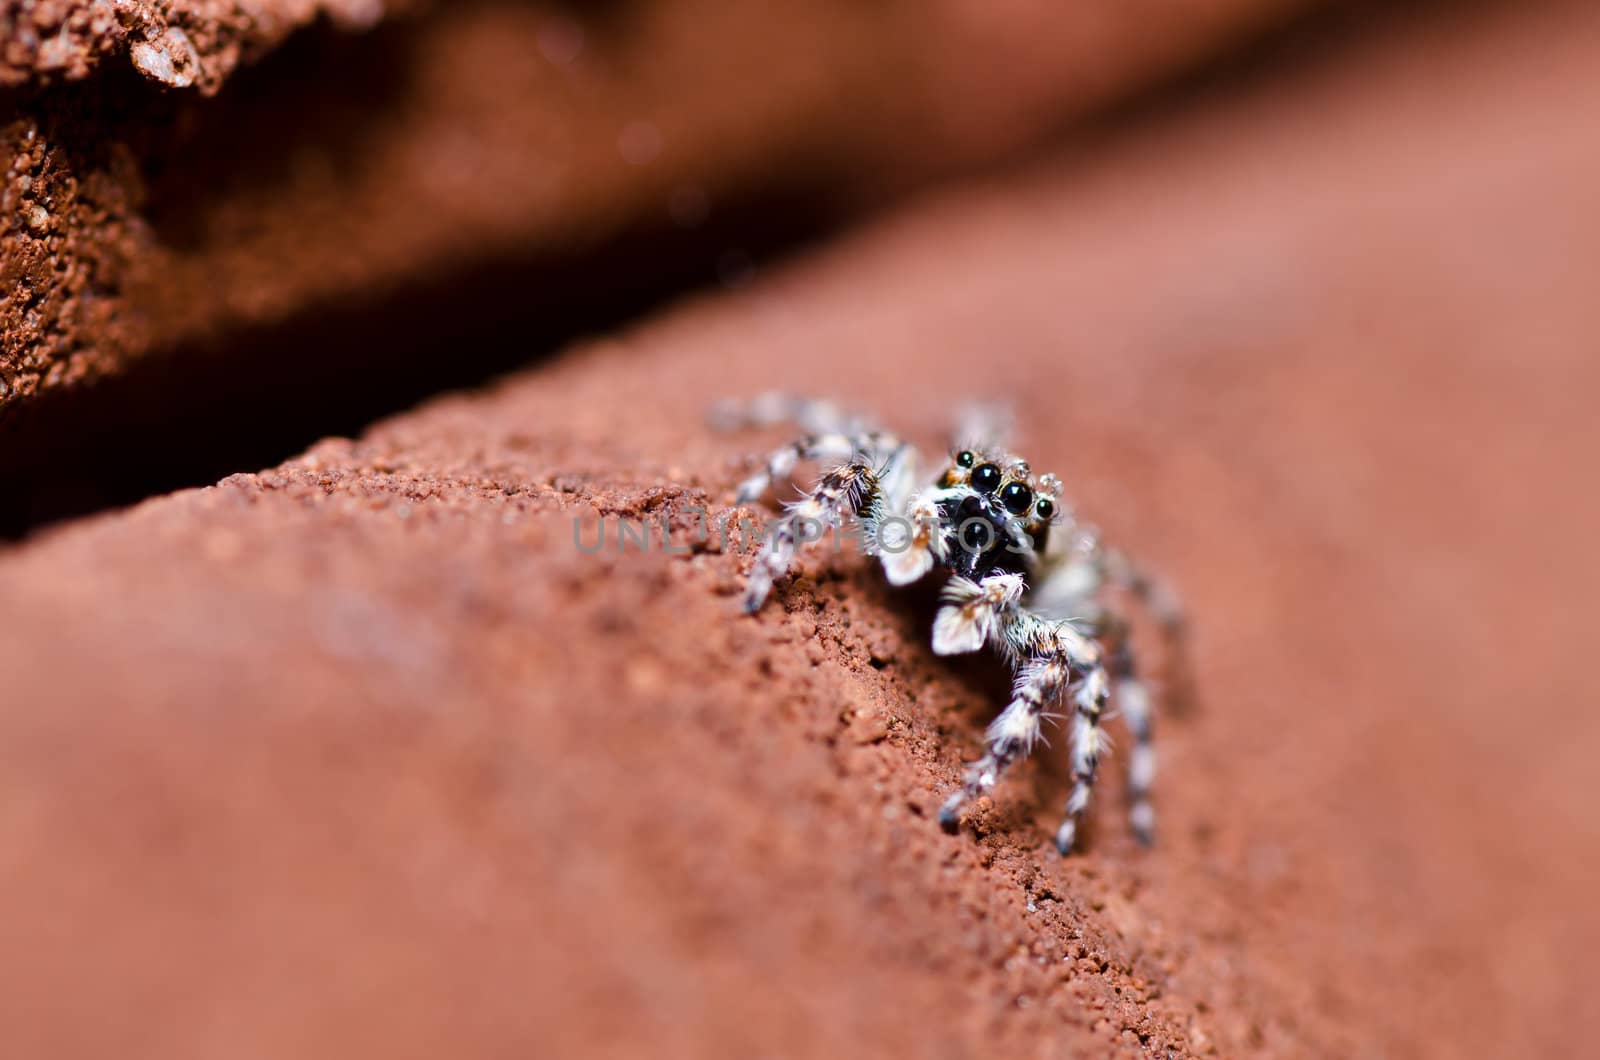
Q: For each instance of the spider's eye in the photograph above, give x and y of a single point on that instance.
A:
(965, 458)
(985, 477)
(1016, 497)
(1046, 508)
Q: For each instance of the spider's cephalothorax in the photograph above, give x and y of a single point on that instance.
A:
(1025, 580)
(1000, 515)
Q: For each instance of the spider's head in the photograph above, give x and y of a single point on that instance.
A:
(997, 509)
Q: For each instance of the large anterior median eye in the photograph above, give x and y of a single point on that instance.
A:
(985, 477)
(1016, 497)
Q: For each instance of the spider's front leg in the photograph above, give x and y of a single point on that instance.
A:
(833, 445)
(851, 489)
(1052, 658)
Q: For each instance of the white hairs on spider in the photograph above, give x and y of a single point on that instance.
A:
(989, 522)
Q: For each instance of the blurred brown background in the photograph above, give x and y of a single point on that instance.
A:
(359, 755)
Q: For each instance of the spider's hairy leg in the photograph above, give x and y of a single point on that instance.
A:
(847, 490)
(1163, 606)
(897, 475)
(1054, 658)
(1069, 584)
(814, 415)
(837, 447)
(1066, 582)
(781, 461)
(1133, 702)
(1088, 742)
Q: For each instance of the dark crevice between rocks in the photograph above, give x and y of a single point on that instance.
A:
(192, 416)
(248, 400)
(244, 398)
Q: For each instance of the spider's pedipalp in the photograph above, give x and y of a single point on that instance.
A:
(918, 540)
(971, 614)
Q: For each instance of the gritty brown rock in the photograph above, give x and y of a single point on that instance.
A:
(178, 43)
(361, 756)
(349, 166)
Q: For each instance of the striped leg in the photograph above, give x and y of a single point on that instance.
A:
(1163, 606)
(1088, 742)
(1133, 701)
(813, 415)
(847, 490)
(1011, 735)
(1069, 582)
(1055, 657)
(782, 460)
(835, 447)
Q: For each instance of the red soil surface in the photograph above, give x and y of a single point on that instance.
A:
(361, 756)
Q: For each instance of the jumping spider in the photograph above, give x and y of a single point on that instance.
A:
(1024, 578)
